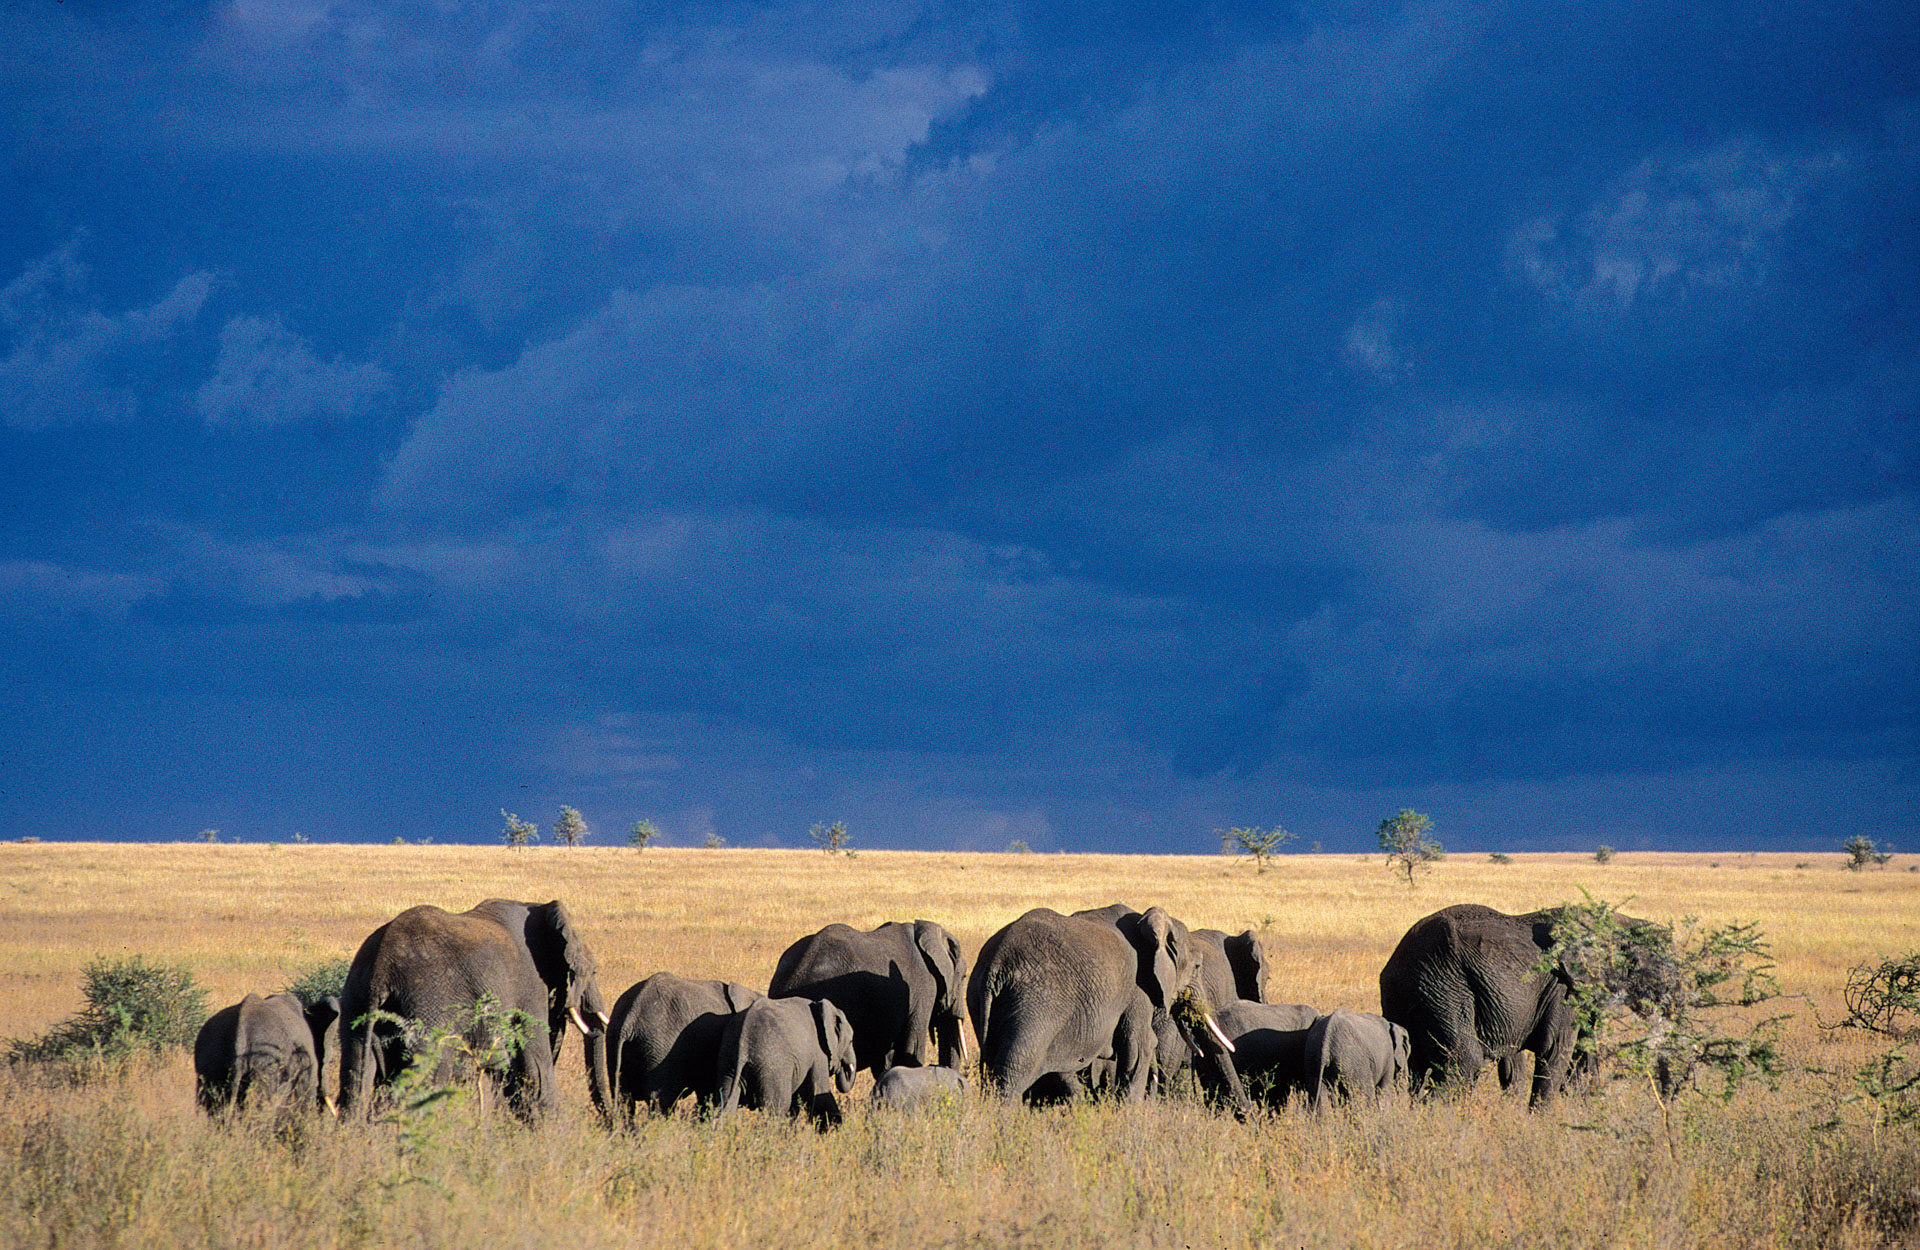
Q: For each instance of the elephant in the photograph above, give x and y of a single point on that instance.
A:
(1269, 1048)
(265, 1049)
(788, 1055)
(1470, 984)
(900, 1088)
(663, 1040)
(895, 983)
(1052, 996)
(1232, 966)
(435, 967)
(1352, 1054)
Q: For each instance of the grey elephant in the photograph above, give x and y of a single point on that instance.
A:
(663, 1040)
(900, 1088)
(1232, 966)
(1471, 984)
(435, 967)
(265, 1050)
(788, 1055)
(1269, 1048)
(1352, 1055)
(896, 983)
(1052, 996)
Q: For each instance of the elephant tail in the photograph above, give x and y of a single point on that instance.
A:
(729, 1064)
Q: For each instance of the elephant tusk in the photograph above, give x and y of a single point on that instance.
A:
(604, 1020)
(1214, 1029)
(333, 1108)
(579, 1021)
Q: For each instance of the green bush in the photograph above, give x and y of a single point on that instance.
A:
(1603, 854)
(323, 980)
(1499, 857)
(131, 1005)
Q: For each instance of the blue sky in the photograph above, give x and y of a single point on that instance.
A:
(1091, 425)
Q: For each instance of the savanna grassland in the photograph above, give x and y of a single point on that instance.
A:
(121, 1157)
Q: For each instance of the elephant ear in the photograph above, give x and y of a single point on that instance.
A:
(943, 959)
(321, 1015)
(835, 1033)
(1161, 941)
(1249, 959)
(738, 996)
(567, 965)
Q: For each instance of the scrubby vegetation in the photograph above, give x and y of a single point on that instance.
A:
(132, 1005)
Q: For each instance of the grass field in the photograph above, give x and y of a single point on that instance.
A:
(124, 1159)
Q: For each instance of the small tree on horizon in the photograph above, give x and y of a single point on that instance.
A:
(518, 832)
(1409, 847)
(570, 829)
(833, 839)
(642, 834)
(1861, 851)
(1262, 844)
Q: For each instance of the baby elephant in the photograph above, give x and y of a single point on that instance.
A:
(906, 1087)
(264, 1050)
(1352, 1054)
(788, 1055)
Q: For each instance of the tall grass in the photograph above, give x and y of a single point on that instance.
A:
(126, 1161)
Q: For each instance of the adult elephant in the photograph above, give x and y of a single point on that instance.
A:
(1352, 1054)
(663, 1040)
(1269, 1049)
(435, 967)
(1471, 984)
(1232, 966)
(896, 984)
(268, 1049)
(1053, 995)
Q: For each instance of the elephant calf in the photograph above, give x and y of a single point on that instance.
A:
(663, 1040)
(788, 1055)
(1353, 1054)
(264, 1050)
(906, 1087)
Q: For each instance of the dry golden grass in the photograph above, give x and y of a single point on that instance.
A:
(126, 1161)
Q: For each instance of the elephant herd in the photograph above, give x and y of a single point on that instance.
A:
(1110, 1000)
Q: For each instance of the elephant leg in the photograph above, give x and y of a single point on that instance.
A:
(1553, 1047)
(1134, 1047)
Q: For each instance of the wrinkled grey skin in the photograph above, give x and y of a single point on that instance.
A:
(1353, 1055)
(1269, 1048)
(663, 1040)
(900, 1088)
(895, 984)
(265, 1050)
(434, 966)
(1467, 985)
(1232, 966)
(787, 1055)
(1053, 996)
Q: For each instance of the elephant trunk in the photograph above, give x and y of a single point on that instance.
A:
(593, 1040)
(1193, 1014)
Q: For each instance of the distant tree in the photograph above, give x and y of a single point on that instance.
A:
(1262, 844)
(833, 838)
(209, 835)
(642, 834)
(1019, 847)
(1862, 851)
(1409, 846)
(570, 829)
(1499, 857)
(1603, 854)
(518, 832)
(713, 841)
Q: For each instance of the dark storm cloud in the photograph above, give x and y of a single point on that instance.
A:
(1086, 424)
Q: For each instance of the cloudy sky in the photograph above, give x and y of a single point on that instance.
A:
(1086, 424)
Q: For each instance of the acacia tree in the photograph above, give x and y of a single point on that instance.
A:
(518, 832)
(833, 838)
(1262, 844)
(1409, 846)
(642, 834)
(570, 829)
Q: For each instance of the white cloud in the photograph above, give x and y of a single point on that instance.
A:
(38, 588)
(1670, 226)
(70, 362)
(267, 375)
